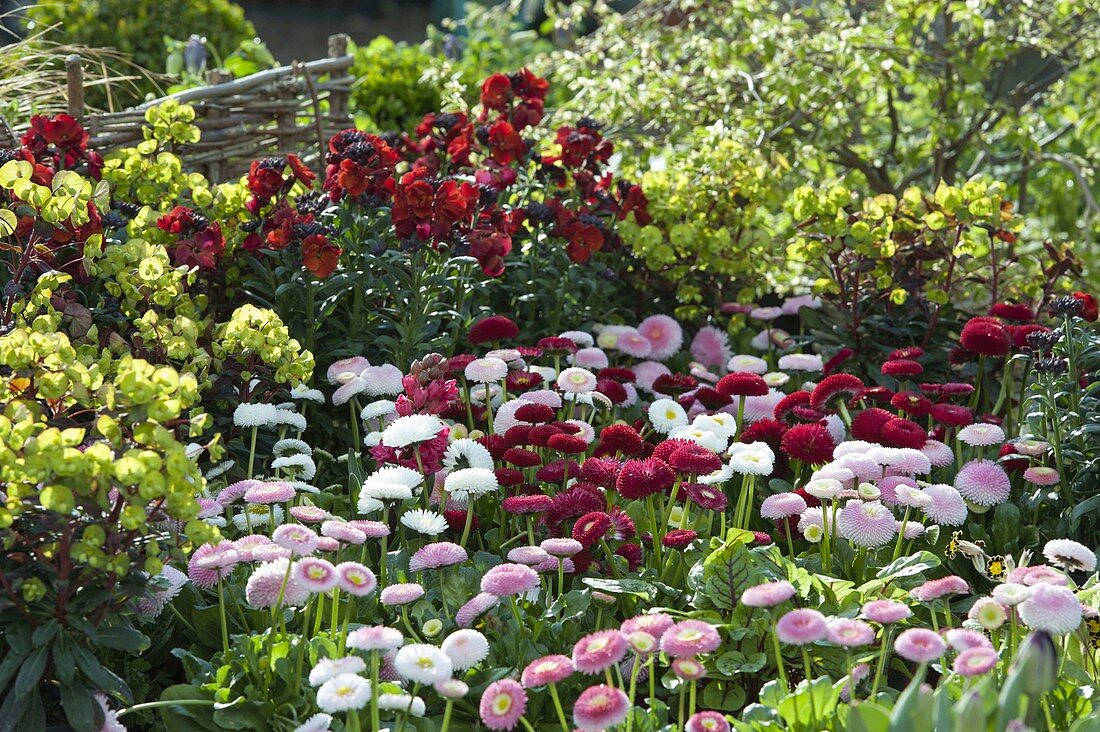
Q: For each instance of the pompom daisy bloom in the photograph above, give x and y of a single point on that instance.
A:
(505, 580)
(355, 579)
(315, 574)
(547, 670)
(467, 483)
(988, 613)
(690, 638)
(947, 506)
(711, 347)
(422, 663)
(886, 612)
(486, 370)
(1052, 608)
(824, 489)
(328, 668)
(667, 415)
(412, 430)
(211, 563)
(434, 556)
(428, 523)
(1041, 475)
(255, 415)
(319, 722)
(866, 524)
(474, 608)
(343, 693)
(768, 594)
(575, 380)
(664, 334)
(1070, 555)
(401, 594)
(375, 638)
(919, 645)
(983, 482)
(598, 651)
(849, 632)
(801, 627)
(935, 589)
(466, 648)
(467, 453)
(561, 547)
(502, 704)
(599, 708)
(962, 638)
(266, 493)
(451, 688)
(981, 435)
(976, 661)
(299, 539)
(782, 505)
(707, 722)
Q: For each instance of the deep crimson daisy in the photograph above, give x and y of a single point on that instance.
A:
(520, 381)
(556, 346)
(633, 555)
(534, 412)
(841, 356)
(1020, 333)
(492, 328)
(508, 477)
(674, 384)
(622, 438)
(567, 444)
(533, 503)
(768, 431)
(518, 435)
(985, 338)
(556, 471)
(956, 389)
(694, 460)
(868, 424)
(601, 470)
(711, 398)
(810, 443)
(617, 373)
(495, 444)
(900, 432)
(742, 384)
(1017, 312)
(613, 390)
(539, 435)
(591, 527)
(572, 503)
(789, 402)
(953, 415)
(641, 478)
(842, 385)
(679, 538)
(522, 458)
(664, 449)
(902, 368)
(873, 394)
(1012, 465)
(909, 352)
(911, 403)
(705, 496)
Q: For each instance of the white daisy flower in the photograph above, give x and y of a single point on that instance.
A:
(424, 522)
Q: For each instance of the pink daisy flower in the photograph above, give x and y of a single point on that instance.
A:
(263, 587)
(1070, 555)
(688, 668)
(355, 579)
(529, 555)
(342, 531)
(935, 589)
(600, 707)
(310, 514)
(298, 539)
(849, 632)
(1037, 575)
(439, 554)
(375, 638)
(690, 638)
(547, 670)
(938, 453)
(635, 345)
(211, 563)
(233, 491)
(983, 482)
(474, 608)
(664, 335)
(316, 574)
(647, 372)
(265, 493)
(502, 704)
(597, 651)
(781, 505)
(886, 612)
(1039, 475)
(962, 638)
(509, 579)
(768, 594)
(711, 347)
(976, 661)
(947, 507)
(866, 523)
(401, 594)
(373, 529)
(801, 627)
(919, 645)
(1052, 608)
(593, 358)
(653, 623)
(707, 722)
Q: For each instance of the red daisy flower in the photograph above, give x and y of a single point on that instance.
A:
(633, 555)
(902, 368)
(873, 394)
(535, 412)
(522, 458)
(495, 444)
(601, 470)
(789, 402)
(573, 502)
(591, 527)
(508, 477)
(711, 398)
(557, 346)
(899, 432)
(1013, 465)
(956, 389)
(909, 352)
(613, 390)
(679, 538)
(810, 443)
(695, 460)
(841, 356)
(761, 538)
(742, 384)
(521, 381)
(493, 328)
(868, 424)
(456, 520)
(664, 449)
(985, 338)
(567, 444)
(1019, 333)
(842, 385)
(674, 384)
(556, 471)
(768, 431)
(539, 435)
(622, 438)
(527, 504)
(617, 373)
(912, 403)
(953, 415)
(622, 526)
(641, 478)
(1017, 312)
(706, 496)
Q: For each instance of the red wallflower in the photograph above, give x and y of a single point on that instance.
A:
(496, 92)
(319, 255)
(265, 178)
(584, 239)
(202, 249)
(505, 144)
(1089, 307)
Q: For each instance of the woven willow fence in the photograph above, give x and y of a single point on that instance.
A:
(290, 109)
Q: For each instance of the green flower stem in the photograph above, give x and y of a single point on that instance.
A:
(809, 680)
(887, 634)
(469, 521)
(446, 715)
(779, 656)
(167, 703)
(630, 694)
(901, 535)
(221, 616)
(558, 708)
(375, 719)
(382, 577)
(252, 458)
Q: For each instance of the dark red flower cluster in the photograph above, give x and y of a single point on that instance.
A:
(360, 165)
(199, 242)
(58, 143)
(273, 178)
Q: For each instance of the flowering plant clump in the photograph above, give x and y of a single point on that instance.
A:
(839, 486)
